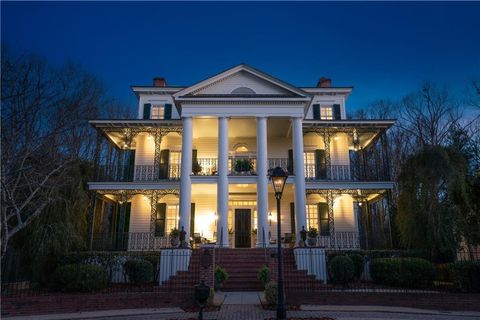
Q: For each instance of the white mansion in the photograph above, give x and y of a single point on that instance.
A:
(197, 157)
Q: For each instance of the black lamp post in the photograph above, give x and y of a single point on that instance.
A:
(202, 292)
(279, 178)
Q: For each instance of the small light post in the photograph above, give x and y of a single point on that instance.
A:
(279, 178)
(202, 292)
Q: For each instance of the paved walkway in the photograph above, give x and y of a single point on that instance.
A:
(246, 305)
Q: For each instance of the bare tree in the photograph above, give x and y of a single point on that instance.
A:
(44, 133)
(428, 115)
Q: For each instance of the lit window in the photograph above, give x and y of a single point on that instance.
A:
(309, 161)
(172, 218)
(158, 112)
(312, 216)
(326, 113)
(174, 164)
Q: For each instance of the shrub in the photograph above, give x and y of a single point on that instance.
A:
(264, 275)
(466, 275)
(221, 275)
(139, 271)
(154, 259)
(341, 270)
(402, 272)
(443, 272)
(271, 293)
(80, 278)
(358, 263)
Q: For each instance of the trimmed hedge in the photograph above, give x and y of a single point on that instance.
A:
(402, 272)
(358, 264)
(443, 272)
(139, 271)
(271, 293)
(341, 270)
(466, 275)
(80, 278)
(374, 254)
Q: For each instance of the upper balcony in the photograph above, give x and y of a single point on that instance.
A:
(151, 150)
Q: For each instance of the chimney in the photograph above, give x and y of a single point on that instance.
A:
(324, 83)
(159, 82)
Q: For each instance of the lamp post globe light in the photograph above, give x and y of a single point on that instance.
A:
(279, 178)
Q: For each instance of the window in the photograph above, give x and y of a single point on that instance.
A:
(309, 161)
(174, 164)
(158, 112)
(172, 217)
(312, 216)
(326, 113)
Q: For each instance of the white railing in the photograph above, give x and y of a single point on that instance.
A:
(343, 241)
(206, 167)
(339, 172)
(334, 172)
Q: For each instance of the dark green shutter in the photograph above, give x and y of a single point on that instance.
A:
(146, 110)
(168, 111)
(320, 164)
(323, 219)
(292, 217)
(316, 112)
(290, 161)
(336, 112)
(160, 219)
(164, 159)
(192, 219)
(129, 165)
(128, 209)
(194, 159)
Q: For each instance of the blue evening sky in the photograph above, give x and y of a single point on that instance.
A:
(384, 50)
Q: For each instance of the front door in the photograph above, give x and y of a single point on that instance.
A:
(243, 220)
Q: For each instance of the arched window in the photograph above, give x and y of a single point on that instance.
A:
(240, 147)
(243, 90)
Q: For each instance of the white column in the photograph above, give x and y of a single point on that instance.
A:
(222, 185)
(262, 183)
(298, 169)
(185, 180)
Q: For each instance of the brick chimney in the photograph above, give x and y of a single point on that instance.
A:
(324, 83)
(159, 82)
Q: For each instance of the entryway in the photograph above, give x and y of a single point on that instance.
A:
(243, 222)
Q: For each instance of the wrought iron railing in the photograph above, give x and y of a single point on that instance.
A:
(129, 241)
(343, 241)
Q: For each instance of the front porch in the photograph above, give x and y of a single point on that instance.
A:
(141, 220)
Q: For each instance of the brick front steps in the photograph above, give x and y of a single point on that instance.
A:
(243, 265)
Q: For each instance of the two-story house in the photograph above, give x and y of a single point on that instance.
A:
(197, 157)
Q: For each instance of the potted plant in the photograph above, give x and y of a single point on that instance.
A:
(196, 168)
(312, 237)
(243, 166)
(174, 237)
(264, 275)
(220, 277)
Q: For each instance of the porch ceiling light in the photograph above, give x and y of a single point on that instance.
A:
(279, 178)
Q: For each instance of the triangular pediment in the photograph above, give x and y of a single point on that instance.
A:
(242, 81)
